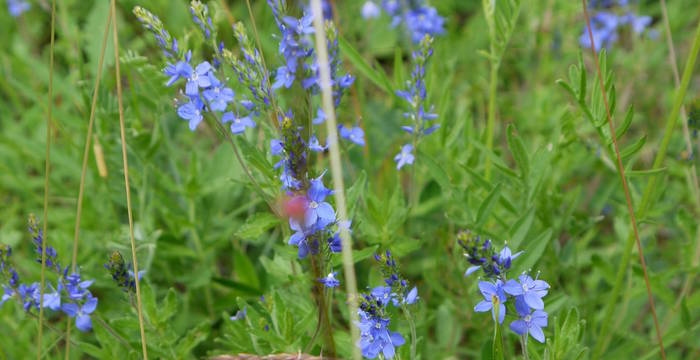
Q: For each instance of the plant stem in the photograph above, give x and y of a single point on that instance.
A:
(412, 326)
(336, 171)
(491, 121)
(647, 196)
(47, 169)
(523, 343)
(125, 161)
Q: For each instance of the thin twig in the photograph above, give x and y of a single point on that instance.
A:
(47, 170)
(336, 170)
(628, 198)
(86, 154)
(115, 34)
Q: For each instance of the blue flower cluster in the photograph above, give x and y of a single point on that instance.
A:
(376, 338)
(17, 7)
(610, 17)
(204, 91)
(418, 18)
(415, 95)
(121, 272)
(71, 295)
(526, 292)
(300, 62)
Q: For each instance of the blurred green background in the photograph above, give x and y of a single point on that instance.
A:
(202, 231)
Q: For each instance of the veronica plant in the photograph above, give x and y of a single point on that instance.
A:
(610, 18)
(525, 293)
(420, 114)
(70, 295)
(294, 140)
(374, 313)
(416, 16)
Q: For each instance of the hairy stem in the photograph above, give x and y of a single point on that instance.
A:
(491, 121)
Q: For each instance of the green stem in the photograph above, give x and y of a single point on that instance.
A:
(491, 122)
(497, 345)
(412, 326)
(523, 343)
(601, 343)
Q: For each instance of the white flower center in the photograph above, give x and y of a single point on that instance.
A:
(525, 288)
(528, 318)
(195, 76)
(313, 205)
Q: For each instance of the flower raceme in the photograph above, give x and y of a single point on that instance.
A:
(70, 295)
(376, 338)
(416, 16)
(525, 292)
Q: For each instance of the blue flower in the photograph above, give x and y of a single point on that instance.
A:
(354, 134)
(238, 124)
(276, 147)
(505, 257)
(192, 112)
(370, 10)
(320, 117)
(531, 291)
(493, 295)
(240, 315)
(81, 313)
(411, 297)
(376, 337)
(404, 157)
(218, 96)
(17, 7)
(29, 295)
(199, 78)
(285, 77)
(382, 294)
(423, 21)
(531, 323)
(8, 293)
(180, 70)
(303, 26)
(315, 145)
(330, 280)
(53, 300)
(335, 243)
(318, 213)
(76, 288)
(299, 239)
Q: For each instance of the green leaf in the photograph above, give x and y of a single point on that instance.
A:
(487, 205)
(436, 171)
(685, 314)
(235, 285)
(169, 307)
(521, 228)
(633, 149)
(244, 270)
(256, 226)
(622, 129)
(645, 172)
(517, 148)
(375, 75)
(532, 252)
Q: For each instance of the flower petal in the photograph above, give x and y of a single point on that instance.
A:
(519, 327)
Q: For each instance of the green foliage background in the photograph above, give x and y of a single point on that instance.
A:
(211, 246)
